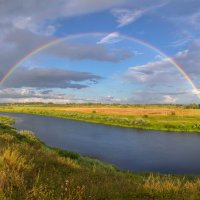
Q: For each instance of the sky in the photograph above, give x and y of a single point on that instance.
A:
(116, 51)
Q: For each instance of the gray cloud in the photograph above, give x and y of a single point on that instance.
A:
(97, 52)
(17, 43)
(39, 16)
(22, 95)
(162, 82)
(158, 73)
(189, 59)
(35, 14)
(46, 92)
(163, 72)
(40, 10)
(26, 24)
(156, 97)
(50, 78)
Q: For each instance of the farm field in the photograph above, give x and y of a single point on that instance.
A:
(152, 117)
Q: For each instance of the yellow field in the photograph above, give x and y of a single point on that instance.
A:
(151, 117)
(128, 111)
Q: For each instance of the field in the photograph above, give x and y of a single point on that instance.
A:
(179, 118)
(31, 170)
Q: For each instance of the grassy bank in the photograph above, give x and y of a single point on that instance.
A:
(152, 117)
(31, 170)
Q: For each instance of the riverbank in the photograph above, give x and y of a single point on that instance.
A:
(149, 117)
(31, 170)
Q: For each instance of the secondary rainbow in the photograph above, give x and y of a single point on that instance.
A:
(140, 41)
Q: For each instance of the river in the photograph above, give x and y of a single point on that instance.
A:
(129, 149)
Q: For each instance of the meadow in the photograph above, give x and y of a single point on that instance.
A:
(31, 170)
(181, 118)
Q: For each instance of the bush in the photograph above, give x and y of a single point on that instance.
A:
(196, 126)
(140, 122)
(69, 154)
(183, 127)
(173, 113)
(170, 126)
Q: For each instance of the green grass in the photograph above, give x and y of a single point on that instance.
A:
(169, 122)
(31, 170)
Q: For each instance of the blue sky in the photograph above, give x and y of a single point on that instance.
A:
(103, 64)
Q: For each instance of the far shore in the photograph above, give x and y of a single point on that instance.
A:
(174, 118)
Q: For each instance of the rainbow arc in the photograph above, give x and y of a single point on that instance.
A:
(140, 41)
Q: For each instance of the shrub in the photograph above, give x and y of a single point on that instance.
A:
(173, 113)
(29, 136)
(170, 126)
(196, 126)
(69, 154)
(140, 122)
(182, 127)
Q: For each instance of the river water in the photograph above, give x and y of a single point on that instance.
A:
(129, 149)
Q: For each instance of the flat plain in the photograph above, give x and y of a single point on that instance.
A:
(181, 118)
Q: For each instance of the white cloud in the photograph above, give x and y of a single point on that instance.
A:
(167, 99)
(126, 16)
(110, 38)
(18, 42)
(26, 94)
(26, 24)
(50, 30)
(151, 73)
(164, 77)
(160, 97)
(163, 71)
(112, 99)
(35, 13)
(196, 91)
(191, 19)
(180, 42)
(22, 22)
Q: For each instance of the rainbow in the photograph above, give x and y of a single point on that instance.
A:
(140, 41)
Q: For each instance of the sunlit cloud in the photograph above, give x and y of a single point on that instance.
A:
(169, 99)
(110, 38)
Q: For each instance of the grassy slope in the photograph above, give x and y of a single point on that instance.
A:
(31, 170)
(168, 118)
